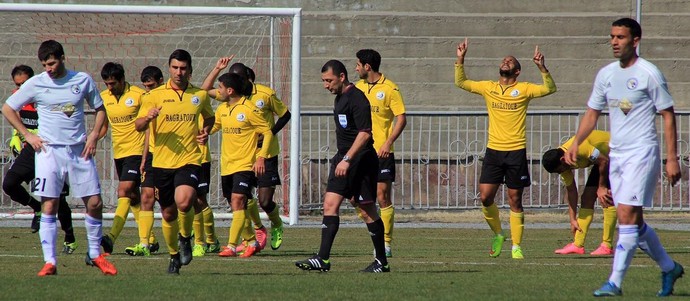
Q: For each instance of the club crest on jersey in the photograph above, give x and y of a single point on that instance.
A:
(625, 105)
(241, 117)
(195, 100)
(260, 103)
(380, 95)
(75, 89)
(342, 119)
(631, 84)
(129, 102)
(67, 108)
(515, 93)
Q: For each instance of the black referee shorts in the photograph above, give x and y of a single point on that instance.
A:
(360, 181)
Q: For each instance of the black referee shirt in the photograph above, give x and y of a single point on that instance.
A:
(352, 114)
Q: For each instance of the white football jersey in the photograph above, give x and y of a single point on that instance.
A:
(633, 95)
(59, 104)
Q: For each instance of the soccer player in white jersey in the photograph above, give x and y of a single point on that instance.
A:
(633, 90)
(64, 148)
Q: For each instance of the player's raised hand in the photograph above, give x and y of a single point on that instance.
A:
(224, 62)
(462, 49)
(538, 57)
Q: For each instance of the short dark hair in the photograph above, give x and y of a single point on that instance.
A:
(240, 69)
(336, 67)
(371, 57)
(551, 159)
(182, 56)
(113, 70)
(50, 48)
(151, 73)
(635, 28)
(237, 82)
(251, 74)
(22, 69)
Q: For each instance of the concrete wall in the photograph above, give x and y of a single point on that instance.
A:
(417, 40)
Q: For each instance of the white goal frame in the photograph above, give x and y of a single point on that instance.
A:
(295, 13)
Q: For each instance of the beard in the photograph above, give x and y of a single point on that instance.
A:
(507, 73)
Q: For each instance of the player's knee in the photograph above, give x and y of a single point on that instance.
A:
(93, 203)
(10, 183)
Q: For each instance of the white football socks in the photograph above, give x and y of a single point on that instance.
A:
(94, 232)
(628, 237)
(48, 236)
(650, 244)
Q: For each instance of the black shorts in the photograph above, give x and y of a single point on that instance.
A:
(271, 177)
(509, 167)
(24, 165)
(204, 179)
(593, 178)
(147, 181)
(387, 169)
(128, 168)
(240, 182)
(361, 178)
(166, 180)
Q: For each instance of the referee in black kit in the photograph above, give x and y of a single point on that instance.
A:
(354, 170)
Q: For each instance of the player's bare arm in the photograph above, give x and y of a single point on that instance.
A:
(213, 74)
(603, 192)
(572, 195)
(361, 139)
(145, 153)
(95, 134)
(589, 121)
(142, 123)
(671, 138)
(12, 117)
(398, 127)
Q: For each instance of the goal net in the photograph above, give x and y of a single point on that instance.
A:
(140, 36)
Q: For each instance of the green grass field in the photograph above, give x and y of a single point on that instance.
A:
(438, 264)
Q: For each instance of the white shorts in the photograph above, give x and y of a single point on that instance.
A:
(634, 175)
(56, 163)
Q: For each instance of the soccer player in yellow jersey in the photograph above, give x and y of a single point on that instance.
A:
(505, 160)
(264, 99)
(173, 111)
(122, 102)
(387, 106)
(151, 78)
(240, 122)
(593, 152)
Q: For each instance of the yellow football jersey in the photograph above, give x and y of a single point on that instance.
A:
(597, 143)
(176, 127)
(386, 102)
(507, 107)
(240, 123)
(121, 113)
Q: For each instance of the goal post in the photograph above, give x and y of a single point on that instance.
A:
(135, 34)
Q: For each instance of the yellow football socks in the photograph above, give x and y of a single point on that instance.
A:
(135, 211)
(120, 217)
(209, 225)
(274, 216)
(236, 227)
(584, 219)
(492, 218)
(186, 220)
(198, 227)
(248, 233)
(517, 225)
(253, 211)
(145, 227)
(610, 219)
(388, 219)
(170, 231)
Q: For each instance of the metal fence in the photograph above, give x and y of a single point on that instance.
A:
(438, 162)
